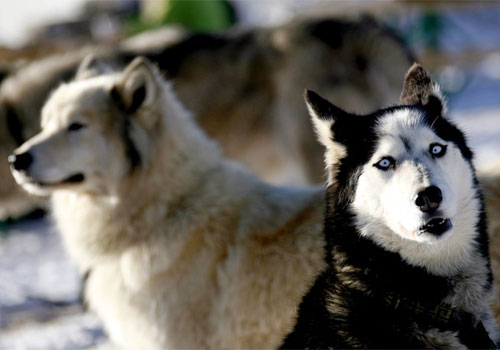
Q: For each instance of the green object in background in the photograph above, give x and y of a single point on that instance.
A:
(431, 27)
(425, 31)
(197, 15)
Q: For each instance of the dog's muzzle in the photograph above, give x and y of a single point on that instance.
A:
(22, 162)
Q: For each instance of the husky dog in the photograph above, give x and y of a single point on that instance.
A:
(187, 249)
(408, 263)
(244, 89)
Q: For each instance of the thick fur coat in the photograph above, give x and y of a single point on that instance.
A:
(186, 249)
(407, 244)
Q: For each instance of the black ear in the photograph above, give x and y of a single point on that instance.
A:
(321, 107)
(419, 89)
(331, 125)
(90, 67)
(5, 70)
(138, 86)
(325, 117)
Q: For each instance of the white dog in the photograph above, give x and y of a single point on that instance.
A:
(186, 249)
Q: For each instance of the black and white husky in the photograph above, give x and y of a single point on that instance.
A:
(405, 230)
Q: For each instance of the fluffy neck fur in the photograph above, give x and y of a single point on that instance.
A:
(413, 266)
(190, 250)
(167, 176)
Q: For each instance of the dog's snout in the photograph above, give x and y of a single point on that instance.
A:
(429, 199)
(20, 161)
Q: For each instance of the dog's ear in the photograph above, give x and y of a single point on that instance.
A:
(418, 88)
(325, 118)
(324, 115)
(90, 67)
(138, 86)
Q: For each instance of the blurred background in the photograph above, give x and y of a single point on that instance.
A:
(459, 42)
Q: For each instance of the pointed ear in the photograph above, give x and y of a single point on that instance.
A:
(418, 88)
(91, 66)
(323, 116)
(138, 86)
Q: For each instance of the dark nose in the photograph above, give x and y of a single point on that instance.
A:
(20, 161)
(429, 199)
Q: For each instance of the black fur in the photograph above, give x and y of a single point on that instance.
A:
(3, 74)
(171, 59)
(369, 297)
(14, 125)
(137, 99)
(131, 151)
(81, 296)
(332, 32)
(329, 31)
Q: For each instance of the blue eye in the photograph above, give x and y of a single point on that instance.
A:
(76, 126)
(437, 150)
(385, 163)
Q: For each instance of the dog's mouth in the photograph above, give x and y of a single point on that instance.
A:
(79, 177)
(436, 226)
(73, 179)
(44, 188)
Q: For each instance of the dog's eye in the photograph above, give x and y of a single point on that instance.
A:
(385, 163)
(76, 126)
(437, 150)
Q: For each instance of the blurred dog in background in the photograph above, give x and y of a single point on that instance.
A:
(245, 89)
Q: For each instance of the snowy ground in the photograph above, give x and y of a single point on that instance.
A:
(40, 292)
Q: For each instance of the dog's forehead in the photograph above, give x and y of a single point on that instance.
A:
(401, 121)
(405, 126)
(90, 94)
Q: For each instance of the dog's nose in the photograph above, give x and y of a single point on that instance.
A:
(20, 161)
(429, 199)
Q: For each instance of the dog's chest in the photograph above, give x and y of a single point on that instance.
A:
(158, 306)
(407, 296)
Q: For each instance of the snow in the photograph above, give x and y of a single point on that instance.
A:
(32, 256)
(78, 331)
(40, 306)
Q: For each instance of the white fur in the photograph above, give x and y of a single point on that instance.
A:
(334, 150)
(187, 250)
(385, 200)
(386, 212)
